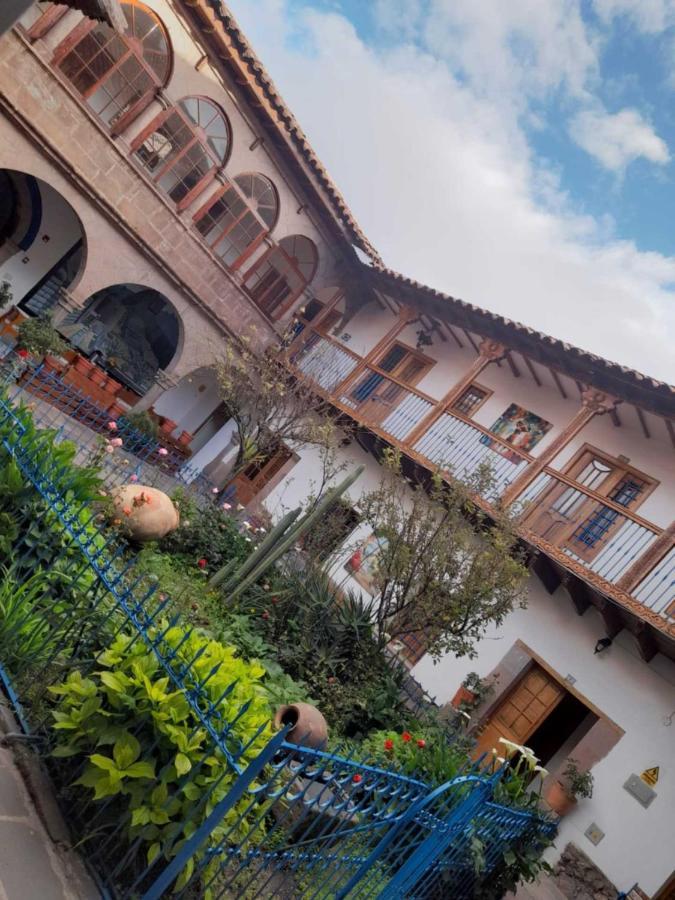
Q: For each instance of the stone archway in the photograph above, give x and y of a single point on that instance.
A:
(130, 330)
(42, 242)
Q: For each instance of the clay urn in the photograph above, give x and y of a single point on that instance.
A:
(149, 514)
(98, 376)
(557, 797)
(83, 365)
(309, 728)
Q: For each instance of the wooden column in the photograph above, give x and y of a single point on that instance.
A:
(594, 403)
(489, 352)
(649, 560)
(405, 317)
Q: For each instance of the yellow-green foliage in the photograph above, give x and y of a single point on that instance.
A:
(144, 745)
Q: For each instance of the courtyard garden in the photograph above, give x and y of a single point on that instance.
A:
(147, 669)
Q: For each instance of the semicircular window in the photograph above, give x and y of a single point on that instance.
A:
(237, 219)
(117, 74)
(184, 147)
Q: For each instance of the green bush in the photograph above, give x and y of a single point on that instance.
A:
(204, 533)
(142, 421)
(38, 336)
(141, 738)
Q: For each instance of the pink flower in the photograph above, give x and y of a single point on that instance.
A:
(214, 490)
(111, 426)
(116, 442)
(109, 449)
(133, 477)
(227, 506)
(163, 451)
(127, 511)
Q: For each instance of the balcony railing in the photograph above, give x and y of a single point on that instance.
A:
(323, 361)
(594, 531)
(385, 403)
(465, 449)
(583, 527)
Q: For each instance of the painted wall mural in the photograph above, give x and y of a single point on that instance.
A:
(363, 564)
(520, 428)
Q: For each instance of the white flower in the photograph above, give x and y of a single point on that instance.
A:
(542, 770)
(510, 746)
(465, 714)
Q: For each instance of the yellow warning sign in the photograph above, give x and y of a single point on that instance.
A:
(650, 776)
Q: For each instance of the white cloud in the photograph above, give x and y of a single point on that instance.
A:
(616, 140)
(650, 16)
(443, 181)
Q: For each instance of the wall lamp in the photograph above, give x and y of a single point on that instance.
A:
(602, 644)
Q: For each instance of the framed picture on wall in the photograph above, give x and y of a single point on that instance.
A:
(362, 564)
(520, 428)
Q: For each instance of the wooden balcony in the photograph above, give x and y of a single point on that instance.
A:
(583, 532)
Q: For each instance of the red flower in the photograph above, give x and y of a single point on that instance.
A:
(357, 778)
(202, 563)
(274, 600)
(421, 743)
(265, 615)
(22, 353)
(388, 744)
(406, 736)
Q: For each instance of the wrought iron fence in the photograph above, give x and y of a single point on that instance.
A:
(253, 817)
(57, 404)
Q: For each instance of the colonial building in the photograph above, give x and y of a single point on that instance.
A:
(157, 197)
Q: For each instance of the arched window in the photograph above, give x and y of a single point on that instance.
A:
(117, 75)
(184, 147)
(235, 222)
(279, 277)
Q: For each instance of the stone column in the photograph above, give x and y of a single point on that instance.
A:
(489, 352)
(593, 403)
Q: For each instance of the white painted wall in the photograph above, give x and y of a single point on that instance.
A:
(191, 401)
(639, 843)
(61, 226)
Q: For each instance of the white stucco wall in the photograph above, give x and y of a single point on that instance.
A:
(638, 843)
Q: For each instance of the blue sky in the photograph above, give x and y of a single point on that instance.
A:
(520, 154)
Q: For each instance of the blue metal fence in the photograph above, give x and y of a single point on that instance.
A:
(256, 818)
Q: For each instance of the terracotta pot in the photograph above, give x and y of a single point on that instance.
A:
(148, 513)
(184, 438)
(115, 410)
(112, 386)
(83, 365)
(558, 799)
(167, 426)
(310, 729)
(463, 695)
(97, 376)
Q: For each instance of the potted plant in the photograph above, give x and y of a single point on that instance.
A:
(562, 792)
(39, 337)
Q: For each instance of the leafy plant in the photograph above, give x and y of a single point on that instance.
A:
(421, 752)
(38, 336)
(204, 533)
(577, 783)
(142, 421)
(27, 633)
(145, 747)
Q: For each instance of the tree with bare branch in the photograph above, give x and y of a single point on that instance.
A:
(445, 572)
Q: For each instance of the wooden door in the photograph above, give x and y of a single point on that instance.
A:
(522, 711)
(248, 484)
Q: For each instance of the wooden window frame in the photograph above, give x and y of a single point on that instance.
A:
(622, 470)
(287, 302)
(427, 362)
(252, 247)
(196, 138)
(85, 27)
(487, 393)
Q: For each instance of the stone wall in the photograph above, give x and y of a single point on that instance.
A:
(576, 876)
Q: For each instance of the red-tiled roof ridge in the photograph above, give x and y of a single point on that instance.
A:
(292, 126)
(382, 275)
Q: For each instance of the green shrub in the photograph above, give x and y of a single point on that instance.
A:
(142, 421)
(204, 533)
(421, 752)
(38, 336)
(141, 738)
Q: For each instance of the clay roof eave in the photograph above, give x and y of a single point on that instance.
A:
(622, 382)
(108, 11)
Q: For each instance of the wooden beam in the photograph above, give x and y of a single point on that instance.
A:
(512, 365)
(454, 336)
(644, 638)
(578, 592)
(471, 340)
(671, 430)
(643, 421)
(558, 382)
(611, 618)
(533, 371)
(547, 573)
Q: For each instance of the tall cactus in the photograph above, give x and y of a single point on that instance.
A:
(255, 566)
(254, 558)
